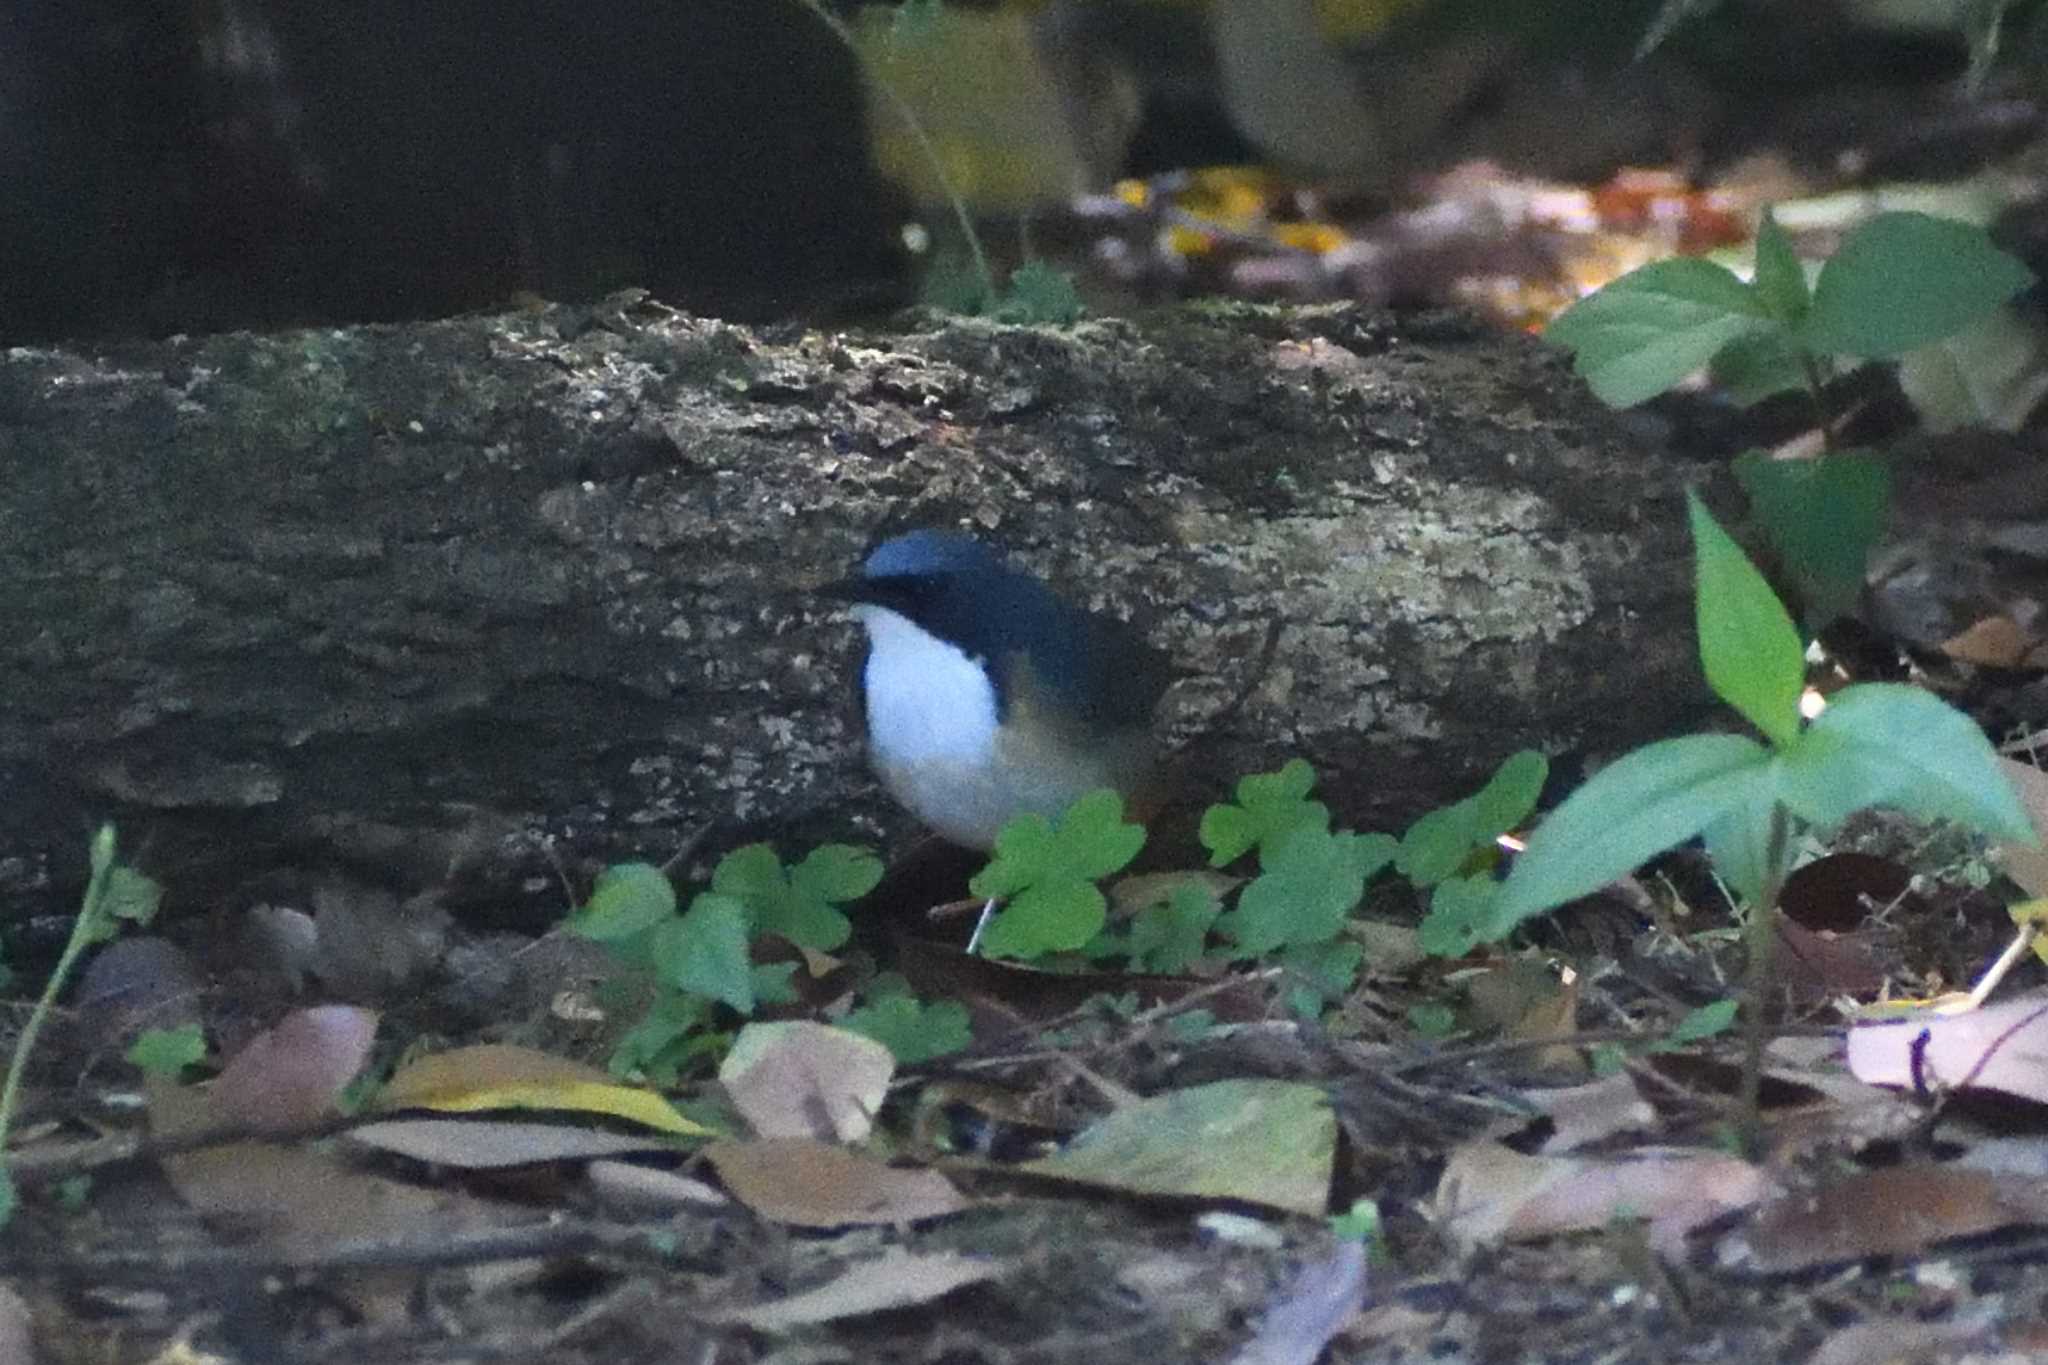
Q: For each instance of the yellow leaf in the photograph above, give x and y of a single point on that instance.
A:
(499, 1076)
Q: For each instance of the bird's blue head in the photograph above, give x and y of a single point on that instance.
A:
(987, 695)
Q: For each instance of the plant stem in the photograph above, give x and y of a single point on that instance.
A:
(1763, 942)
(84, 931)
(901, 108)
(1816, 391)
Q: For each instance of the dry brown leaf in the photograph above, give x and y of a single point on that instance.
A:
(816, 1185)
(1491, 1193)
(800, 1079)
(2026, 864)
(484, 1144)
(1900, 1211)
(1999, 1047)
(289, 1077)
(895, 1279)
(1582, 1115)
(1994, 642)
(647, 1189)
(303, 1202)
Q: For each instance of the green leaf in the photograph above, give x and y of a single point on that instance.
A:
(752, 873)
(1047, 872)
(1510, 796)
(912, 1031)
(1093, 838)
(1748, 646)
(1053, 916)
(1889, 744)
(704, 951)
(1750, 369)
(1039, 295)
(1632, 810)
(166, 1052)
(1313, 880)
(662, 1043)
(1025, 852)
(1442, 842)
(837, 872)
(1269, 806)
(1739, 847)
(1704, 1022)
(798, 903)
(1463, 913)
(774, 983)
(1438, 844)
(1780, 278)
(1652, 327)
(629, 899)
(1318, 973)
(1173, 936)
(132, 895)
(1822, 516)
(1906, 280)
(1432, 1019)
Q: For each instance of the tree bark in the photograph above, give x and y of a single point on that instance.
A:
(272, 599)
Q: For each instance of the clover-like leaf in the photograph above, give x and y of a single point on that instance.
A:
(628, 899)
(703, 951)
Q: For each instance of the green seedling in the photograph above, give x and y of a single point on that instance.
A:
(113, 892)
(1875, 744)
(702, 957)
(1900, 282)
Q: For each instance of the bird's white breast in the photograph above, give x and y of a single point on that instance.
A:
(937, 744)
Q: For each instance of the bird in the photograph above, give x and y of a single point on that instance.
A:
(987, 695)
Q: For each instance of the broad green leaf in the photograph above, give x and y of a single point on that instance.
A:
(1023, 854)
(1463, 913)
(1652, 327)
(751, 873)
(1441, 843)
(837, 872)
(1509, 797)
(1750, 369)
(132, 895)
(166, 1052)
(704, 951)
(1054, 916)
(1888, 744)
(1314, 881)
(1706, 1021)
(912, 1031)
(1318, 973)
(1269, 806)
(1822, 516)
(1780, 278)
(1094, 839)
(1438, 843)
(1174, 936)
(1632, 810)
(1738, 845)
(628, 899)
(1905, 280)
(1751, 653)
